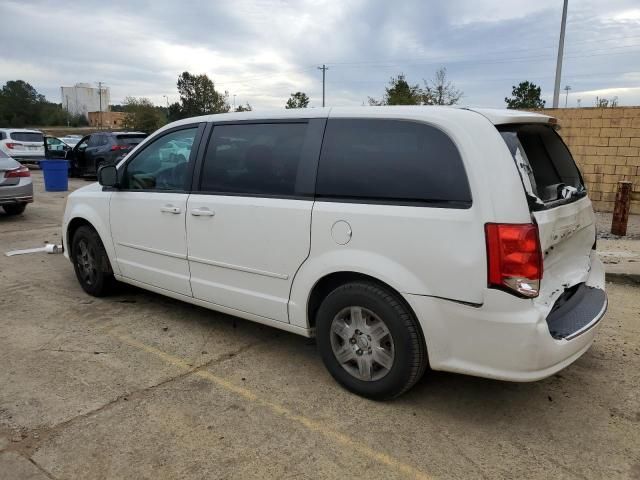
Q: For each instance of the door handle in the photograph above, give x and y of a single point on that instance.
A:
(170, 209)
(202, 212)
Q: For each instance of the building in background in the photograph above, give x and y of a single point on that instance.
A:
(83, 98)
(110, 120)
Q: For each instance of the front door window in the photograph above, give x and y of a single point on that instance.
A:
(162, 165)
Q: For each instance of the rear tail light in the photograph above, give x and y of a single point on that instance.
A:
(119, 147)
(17, 172)
(13, 145)
(514, 258)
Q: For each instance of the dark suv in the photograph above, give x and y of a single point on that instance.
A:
(101, 148)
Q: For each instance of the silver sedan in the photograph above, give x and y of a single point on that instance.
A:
(16, 188)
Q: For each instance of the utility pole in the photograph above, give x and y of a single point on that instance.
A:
(566, 99)
(67, 98)
(234, 103)
(324, 68)
(167, 99)
(556, 90)
(100, 93)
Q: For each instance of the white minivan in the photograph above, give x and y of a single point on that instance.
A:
(400, 237)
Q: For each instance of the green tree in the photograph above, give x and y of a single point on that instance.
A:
(20, 104)
(525, 95)
(198, 96)
(52, 114)
(297, 100)
(440, 91)
(244, 108)
(175, 112)
(399, 92)
(142, 115)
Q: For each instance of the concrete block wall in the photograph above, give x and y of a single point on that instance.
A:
(605, 142)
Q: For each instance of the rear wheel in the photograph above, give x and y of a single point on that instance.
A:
(91, 263)
(370, 341)
(14, 208)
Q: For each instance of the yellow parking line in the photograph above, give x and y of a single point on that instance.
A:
(306, 422)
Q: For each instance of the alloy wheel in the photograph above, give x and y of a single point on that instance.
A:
(362, 343)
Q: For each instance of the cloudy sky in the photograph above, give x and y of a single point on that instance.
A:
(262, 50)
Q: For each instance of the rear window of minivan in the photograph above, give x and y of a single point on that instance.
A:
(27, 137)
(545, 163)
(391, 161)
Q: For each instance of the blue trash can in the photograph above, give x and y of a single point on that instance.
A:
(56, 175)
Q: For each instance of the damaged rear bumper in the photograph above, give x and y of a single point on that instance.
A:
(509, 338)
(577, 311)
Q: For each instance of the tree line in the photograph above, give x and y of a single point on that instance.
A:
(21, 105)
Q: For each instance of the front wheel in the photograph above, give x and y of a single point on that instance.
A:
(14, 208)
(91, 263)
(370, 341)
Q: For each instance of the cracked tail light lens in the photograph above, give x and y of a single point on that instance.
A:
(514, 259)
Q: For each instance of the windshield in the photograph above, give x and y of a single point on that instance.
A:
(545, 163)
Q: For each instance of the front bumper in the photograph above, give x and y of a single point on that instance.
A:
(507, 338)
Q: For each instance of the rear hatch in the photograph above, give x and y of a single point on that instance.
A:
(26, 144)
(559, 204)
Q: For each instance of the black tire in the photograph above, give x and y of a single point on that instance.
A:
(91, 263)
(409, 349)
(14, 208)
(74, 171)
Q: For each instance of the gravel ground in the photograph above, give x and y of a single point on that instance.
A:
(141, 386)
(604, 227)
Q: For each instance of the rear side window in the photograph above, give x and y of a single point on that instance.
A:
(129, 139)
(391, 161)
(255, 159)
(27, 137)
(545, 163)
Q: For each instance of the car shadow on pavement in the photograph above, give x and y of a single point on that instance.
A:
(478, 400)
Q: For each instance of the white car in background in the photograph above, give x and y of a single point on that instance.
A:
(23, 145)
(71, 140)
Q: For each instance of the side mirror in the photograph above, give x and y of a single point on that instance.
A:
(108, 176)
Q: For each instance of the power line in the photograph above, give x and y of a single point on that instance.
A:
(493, 79)
(449, 58)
